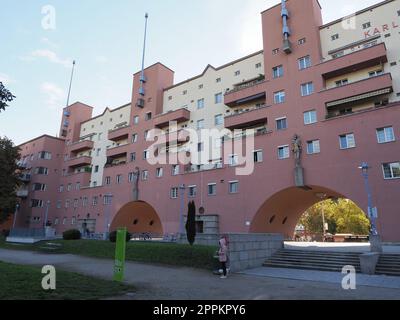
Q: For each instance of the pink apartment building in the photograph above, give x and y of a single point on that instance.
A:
(336, 86)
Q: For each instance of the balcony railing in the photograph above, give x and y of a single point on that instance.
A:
(119, 133)
(180, 115)
(25, 177)
(199, 168)
(82, 145)
(79, 161)
(247, 118)
(118, 151)
(22, 193)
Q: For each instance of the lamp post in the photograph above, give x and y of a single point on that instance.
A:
(15, 215)
(108, 202)
(182, 188)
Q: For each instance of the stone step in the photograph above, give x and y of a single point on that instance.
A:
(316, 256)
(316, 253)
(316, 261)
(307, 267)
(313, 263)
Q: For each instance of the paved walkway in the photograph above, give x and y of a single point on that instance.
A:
(339, 247)
(161, 282)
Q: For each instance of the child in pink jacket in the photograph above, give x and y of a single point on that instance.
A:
(223, 254)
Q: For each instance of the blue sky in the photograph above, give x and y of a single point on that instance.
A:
(105, 38)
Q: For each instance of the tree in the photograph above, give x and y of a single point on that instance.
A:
(9, 155)
(191, 223)
(5, 96)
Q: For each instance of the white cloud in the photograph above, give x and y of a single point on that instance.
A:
(101, 59)
(48, 42)
(49, 55)
(54, 95)
(6, 79)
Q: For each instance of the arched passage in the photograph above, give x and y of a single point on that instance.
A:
(281, 212)
(138, 217)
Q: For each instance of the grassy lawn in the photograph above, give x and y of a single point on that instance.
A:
(24, 283)
(148, 252)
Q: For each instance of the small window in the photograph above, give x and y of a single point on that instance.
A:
(212, 189)
(218, 98)
(338, 55)
(234, 187)
(175, 169)
(391, 170)
(335, 37)
(108, 181)
(375, 73)
(218, 80)
(200, 147)
(200, 104)
(146, 154)
(159, 172)
(275, 51)
(387, 35)
(96, 169)
(219, 119)
(304, 62)
(148, 116)
(132, 157)
(201, 86)
(366, 25)
(136, 120)
(281, 124)
(237, 73)
(170, 98)
(385, 135)
(277, 72)
(174, 193)
(134, 138)
(279, 97)
(342, 82)
(302, 41)
(119, 179)
(313, 147)
(258, 65)
(192, 191)
(347, 141)
(310, 117)
(145, 175)
(233, 160)
(258, 156)
(392, 64)
(307, 89)
(200, 124)
(283, 152)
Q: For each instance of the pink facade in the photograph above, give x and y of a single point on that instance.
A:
(267, 200)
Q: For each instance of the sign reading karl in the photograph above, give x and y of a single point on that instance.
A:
(297, 150)
(120, 249)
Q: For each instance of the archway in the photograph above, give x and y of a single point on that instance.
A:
(282, 212)
(138, 217)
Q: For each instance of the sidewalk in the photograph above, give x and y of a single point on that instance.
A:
(165, 283)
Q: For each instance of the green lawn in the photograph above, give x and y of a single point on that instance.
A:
(24, 283)
(148, 252)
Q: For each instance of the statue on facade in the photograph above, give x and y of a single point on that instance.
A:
(135, 184)
(297, 149)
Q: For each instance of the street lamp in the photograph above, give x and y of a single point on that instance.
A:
(15, 214)
(182, 188)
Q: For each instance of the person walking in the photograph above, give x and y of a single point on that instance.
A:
(223, 255)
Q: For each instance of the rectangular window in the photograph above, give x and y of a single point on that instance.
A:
(99, 136)
(366, 25)
(391, 170)
(107, 199)
(310, 117)
(44, 155)
(119, 179)
(201, 86)
(313, 147)
(148, 116)
(38, 187)
(76, 202)
(159, 172)
(200, 147)
(84, 201)
(275, 51)
(95, 200)
(59, 204)
(42, 171)
(218, 80)
(108, 181)
(136, 120)
(134, 138)
(279, 97)
(342, 82)
(258, 65)
(69, 187)
(146, 154)
(347, 141)
(200, 104)
(234, 187)
(192, 191)
(132, 157)
(218, 98)
(281, 124)
(283, 152)
(237, 73)
(277, 72)
(302, 41)
(78, 186)
(145, 175)
(67, 203)
(175, 169)
(304, 62)
(233, 160)
(36, 203)
(258, 156)
(375, 73)
(335, 37)
(131, 177)
(219, 119)
(96, 169)
(200, 124)
(146, 135)
(174, 193)
(307, 89)
(98, 152)
(385, 135)
(64, 221)
(212, 189)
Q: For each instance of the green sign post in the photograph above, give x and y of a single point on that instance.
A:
(120, 249)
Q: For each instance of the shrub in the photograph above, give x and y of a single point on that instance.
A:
(113, 236)
(5, 233)
(72, 234)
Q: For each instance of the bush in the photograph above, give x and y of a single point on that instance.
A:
(72, 234)
(113, 236)
(5, 233)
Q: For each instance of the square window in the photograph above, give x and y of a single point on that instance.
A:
(258, 65)
(201, 86)
(192, 191)
(279, 97)
(212, 189)
(200, 104)
(313, 147)
(237, 73)
(277, 72)
(283, 152)
(335, 37)
(200, 124)
(304, 62)
(307, 89)
(347, 141)
(234, 187)
(218, 80)
(281, 124)
(302, 41)
(275, 51)
(385, 135)
(310, 117)
(391, 170)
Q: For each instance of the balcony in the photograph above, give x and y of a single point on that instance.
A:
(22, 193)
(246, 119)
(357, 92)
(119, 133)
(245, 93)
(25, 177)
(79, 161)
(174, 138)
(81, 146)
(354, 61)
(190, 168)
(163, 120)
(119, 151)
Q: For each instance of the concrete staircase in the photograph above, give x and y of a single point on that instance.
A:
(389, 264)
(313, 260)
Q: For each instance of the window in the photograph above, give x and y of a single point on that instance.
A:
(219, 119)
(73, 220)
(146, 154)
(61, 189)
(136, 120)
(76, 202)
(279, 97)
(392, 64)
(385, 135)
(342, 82)
(99, 136)
(277, 72)
(200, 124)
(387, 35)
(218, 80)
(146, 135)
(201, 86)
(59, 203)
(200, 104)
(192, 191)
(281, 124)
(64, 221)
(134, 138)
(313, 147)
(234, 187)
(304, 62)
(275, 51)
(84, 201)
(94, 184)
(170, 98)
(96, 169)
(258, 156)
(148, 116)
(366, 25)
(95, 200)
(108, 181)
(131, 177)
(237, 73)
(133, 157)
(307, 89)
(212, 189)
(145, 175)
(335, 37)
(78, 186)
(175, 169)
(42, 171)
(218, 98)
(36, 203)
(69, 186)
(44, 155)
(347, 141)
(233, 160)
(159, 172)
(258, 65)
(375, 73)
(184, 92)
(119, 179)
(391, 170)
(98, 152)
(283, 152)
(174, 193)
(302, 41)
(200, 147)
(310, 117)
(107, 199)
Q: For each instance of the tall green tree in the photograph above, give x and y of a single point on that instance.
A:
(5, 97)
(191, 223)
(9, 155)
